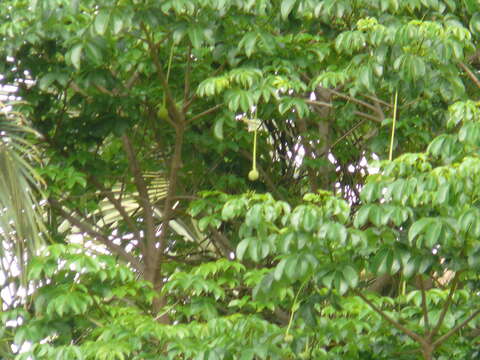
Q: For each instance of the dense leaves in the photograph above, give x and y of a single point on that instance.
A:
(152, 114)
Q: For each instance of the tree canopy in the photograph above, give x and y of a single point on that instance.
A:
(229, 179)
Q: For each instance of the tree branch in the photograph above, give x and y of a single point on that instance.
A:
(173, 111)
(424, 306)
(446, 305)
(356, 126)
(87, 228)
(144, 199)
(175, 165)
(222, 241)
(414, 336)
(206, 112)
(359, 113)
(352, 99)
(132, 79)
(186, 87)
(377, 100)
(443, 338)
(121, 210)
(470, 74)
(310, 154)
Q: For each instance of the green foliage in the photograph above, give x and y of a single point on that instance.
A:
(145, 112)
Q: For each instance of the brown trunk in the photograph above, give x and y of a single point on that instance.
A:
(323, 95)
(427, 351)
(159, 305)
(152, 275)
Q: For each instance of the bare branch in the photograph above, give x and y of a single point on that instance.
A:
(132, 79)
(310, 154)
(424, 306)
(356, 126)
(88, 229)
(414, 336)
(79, 90)
(175, 165)
(359, 113)
(206, 112)
(186, 90)
(470, 74)
(221, 239)
(377, 100)
(352, 99)
(443, 338)
(121, 210)
(143, 192)
(446, 305)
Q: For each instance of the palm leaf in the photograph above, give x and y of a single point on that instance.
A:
(20, 219)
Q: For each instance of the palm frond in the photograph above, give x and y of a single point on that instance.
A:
(21, 223)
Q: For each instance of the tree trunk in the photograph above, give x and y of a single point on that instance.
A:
(427, 351)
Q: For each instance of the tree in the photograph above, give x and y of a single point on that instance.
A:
(153, 115)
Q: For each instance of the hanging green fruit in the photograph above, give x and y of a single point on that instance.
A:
(162, 112)
(253, 174)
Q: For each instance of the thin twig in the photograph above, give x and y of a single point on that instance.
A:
(186, 90)
(352, 99)
(377, 100)
(347, 133)
(359, 113)
(206, 112)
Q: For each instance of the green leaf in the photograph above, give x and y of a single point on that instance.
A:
(286, 7)
(117, 23)
(362, 216)
(432, 233)
(101, 21)
(310, 219)
(291, 268)
(365, 77)
(248, 43)
(475, 23)
(94, 52)
(351, 276)
(195, 34)
(417, 228)
(76, 55)
(279, 269)
(340, 283)
(218, 128)
(327, 279)
(242, 248)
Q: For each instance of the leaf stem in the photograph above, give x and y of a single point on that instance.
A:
(254, 164)
(390, 155)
